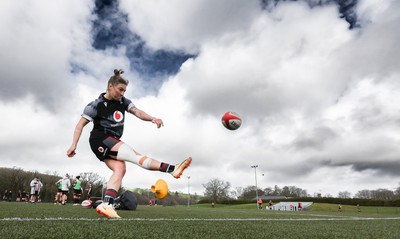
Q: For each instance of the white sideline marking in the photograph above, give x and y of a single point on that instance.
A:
(201, 219)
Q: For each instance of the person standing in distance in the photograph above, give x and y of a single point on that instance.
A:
(76, 186)
(89, 191)
(107, 113)
(35, 189)
(58, 197)
(65, 185)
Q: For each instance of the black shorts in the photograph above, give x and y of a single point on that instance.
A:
(59, 190)
(101, 145)
(77, 191)
(64, 193)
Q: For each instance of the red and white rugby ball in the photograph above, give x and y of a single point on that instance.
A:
(86, 204)
(231, 120)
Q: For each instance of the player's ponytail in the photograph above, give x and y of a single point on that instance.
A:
(117, 78)
(118, 72)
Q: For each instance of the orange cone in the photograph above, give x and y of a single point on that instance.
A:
(160, 189)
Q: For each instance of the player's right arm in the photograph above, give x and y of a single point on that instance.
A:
(77, 134)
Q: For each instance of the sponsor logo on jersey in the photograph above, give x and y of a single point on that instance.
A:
(118, 116)
(101, 149)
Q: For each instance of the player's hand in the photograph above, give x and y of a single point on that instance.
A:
(158, 122)
(71, 152)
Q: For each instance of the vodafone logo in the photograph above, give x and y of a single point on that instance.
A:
(101, 149)
(118, 116)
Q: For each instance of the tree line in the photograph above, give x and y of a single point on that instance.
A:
(16, 179)
(217, 190)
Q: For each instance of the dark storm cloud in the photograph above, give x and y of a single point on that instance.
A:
(380, 167)
(110, 30)
(346, 8)
(295, 170)
(371, 115)
(386, 167)
(383, 167)
(316, 138)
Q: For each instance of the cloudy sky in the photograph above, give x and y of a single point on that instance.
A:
(315, 82)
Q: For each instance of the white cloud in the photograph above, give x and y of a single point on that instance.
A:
(186, 25)
(273, 65)
(36, 46)
(370, 10)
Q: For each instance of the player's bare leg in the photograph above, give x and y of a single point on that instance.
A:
(128, 154)
(114, 183)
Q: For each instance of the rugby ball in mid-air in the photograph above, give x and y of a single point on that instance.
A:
(231, 120)
(86, 204)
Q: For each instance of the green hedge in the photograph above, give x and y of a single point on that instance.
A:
(343, 201)
(349, 201)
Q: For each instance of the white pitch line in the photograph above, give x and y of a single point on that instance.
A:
(202, 219)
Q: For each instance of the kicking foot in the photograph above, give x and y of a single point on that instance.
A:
(180, 167)
(107, 211)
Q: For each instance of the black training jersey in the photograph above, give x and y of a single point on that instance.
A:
(108, 116)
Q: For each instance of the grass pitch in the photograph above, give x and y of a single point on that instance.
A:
(43, 220)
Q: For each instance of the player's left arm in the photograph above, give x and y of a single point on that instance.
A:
(146, 117)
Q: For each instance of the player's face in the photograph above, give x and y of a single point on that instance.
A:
(117, 91)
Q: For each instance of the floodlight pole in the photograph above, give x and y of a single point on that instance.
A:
(188, 177)
(255, 176)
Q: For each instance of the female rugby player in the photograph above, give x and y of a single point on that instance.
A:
(107, 113)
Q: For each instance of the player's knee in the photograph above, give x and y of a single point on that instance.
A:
(126, 153)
